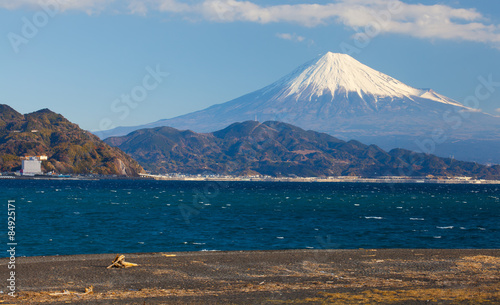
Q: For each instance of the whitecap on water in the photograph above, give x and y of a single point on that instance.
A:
(415, 218)
(373, 217)
(280, 237)
(445, 228)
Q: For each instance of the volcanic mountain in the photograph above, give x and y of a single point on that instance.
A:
(281, 149)
(338, 95)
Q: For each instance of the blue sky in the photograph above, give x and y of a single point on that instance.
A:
(80, 57)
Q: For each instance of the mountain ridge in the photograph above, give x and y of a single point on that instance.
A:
(338, 95)
(280, 149)
(69, 149)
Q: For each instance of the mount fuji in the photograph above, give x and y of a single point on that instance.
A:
(340, 96)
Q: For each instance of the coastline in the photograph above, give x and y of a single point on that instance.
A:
(343, 179)
(379, 180)
(383, 276)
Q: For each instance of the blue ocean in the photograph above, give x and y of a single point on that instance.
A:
(125, 216)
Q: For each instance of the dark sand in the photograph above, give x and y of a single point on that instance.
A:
(263, 277)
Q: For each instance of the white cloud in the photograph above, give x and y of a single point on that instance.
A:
(88, 6)
(138, 8)
(384, 16)
(293, 37)
(173, 6)
(395, 16)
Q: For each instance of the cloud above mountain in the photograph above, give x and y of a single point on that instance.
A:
(292, 37)
(373, 16)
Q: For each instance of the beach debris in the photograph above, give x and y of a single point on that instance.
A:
(169, 255)
(119, 262)
(65, 292)
(89, 290)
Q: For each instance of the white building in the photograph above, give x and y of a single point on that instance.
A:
(32, 166)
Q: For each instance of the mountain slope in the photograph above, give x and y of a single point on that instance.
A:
(69, 149)
(340, 96)
(280, 149)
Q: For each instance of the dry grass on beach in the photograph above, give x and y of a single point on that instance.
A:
(268, 277)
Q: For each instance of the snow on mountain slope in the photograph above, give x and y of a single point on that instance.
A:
(335, 71)
(340, 74)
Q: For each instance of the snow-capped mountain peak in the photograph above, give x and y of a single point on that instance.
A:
(334, 72)
(340, 74)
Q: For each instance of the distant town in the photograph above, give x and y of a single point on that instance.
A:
(32, 168)
(383, 179)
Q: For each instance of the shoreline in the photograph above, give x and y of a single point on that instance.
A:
(263, 277)
(381, 180)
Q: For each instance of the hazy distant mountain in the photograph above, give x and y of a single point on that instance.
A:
(70, 150)
(280, 149)
(340, 96)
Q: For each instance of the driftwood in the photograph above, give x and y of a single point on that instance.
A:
(119, 262)
(89, 290)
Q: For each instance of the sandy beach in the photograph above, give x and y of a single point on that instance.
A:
(364, 276)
